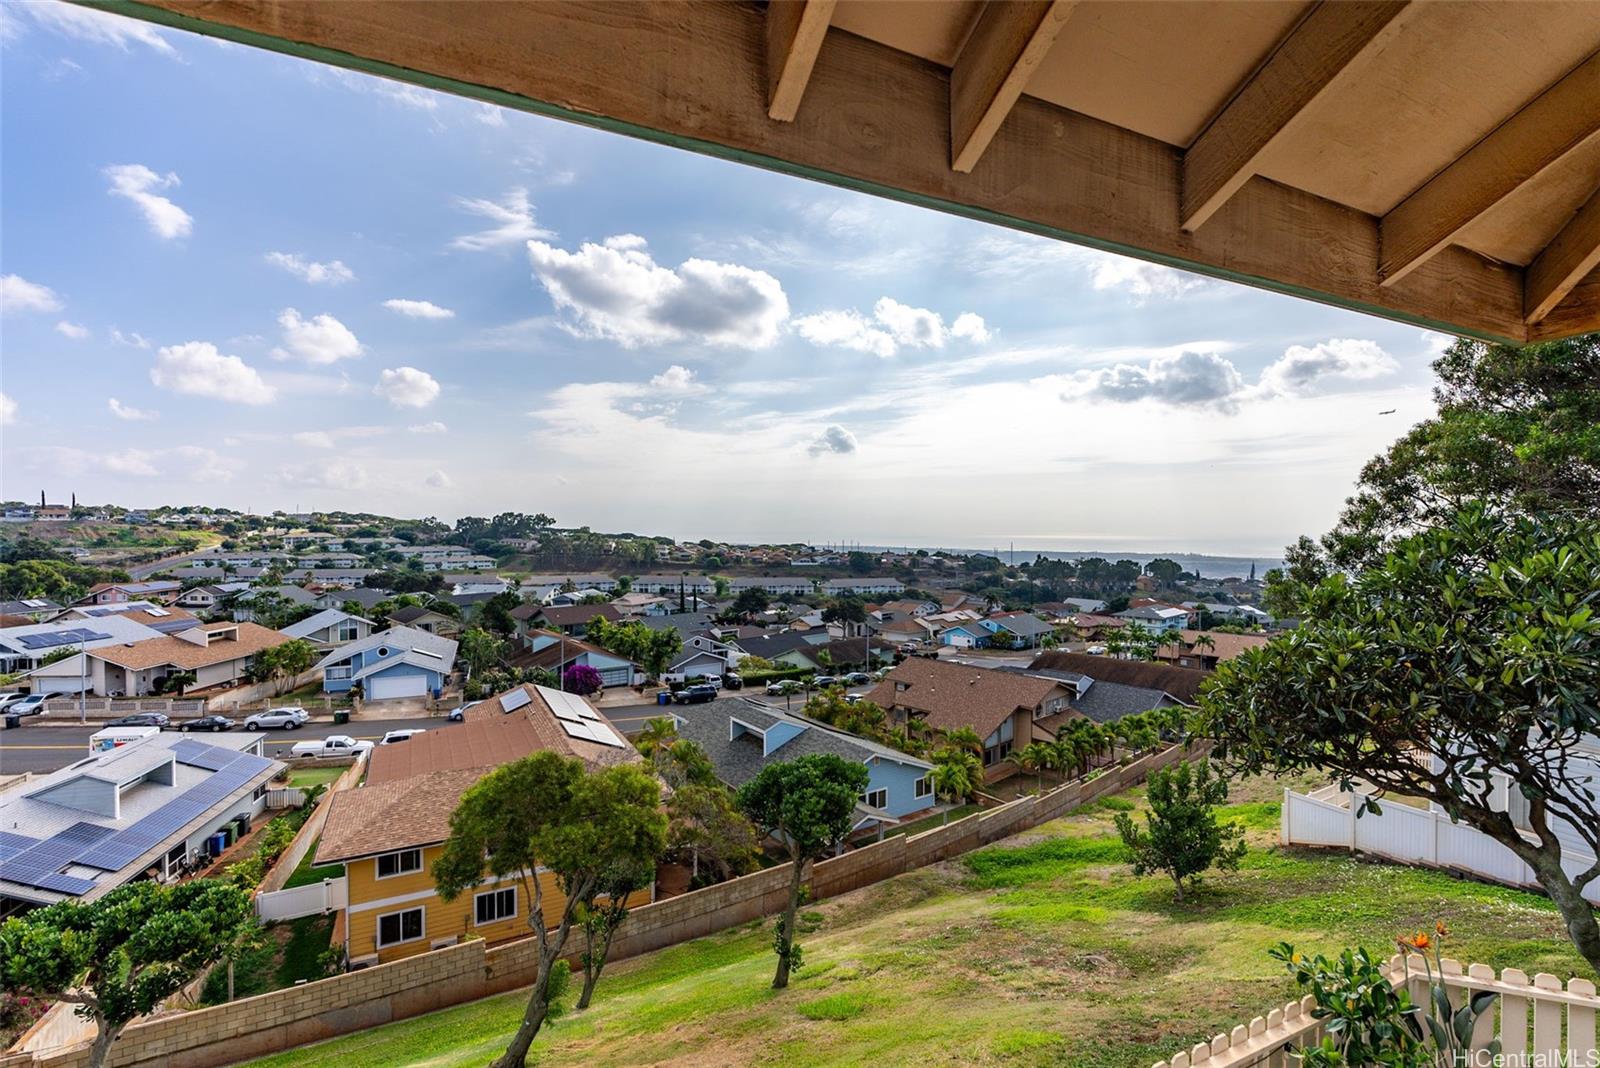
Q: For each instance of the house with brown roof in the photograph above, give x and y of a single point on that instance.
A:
(1186, 649)
(570, 619)
(1182, 683)
(425, 619)
(219, 654)
(1003, 708)
(388, 832)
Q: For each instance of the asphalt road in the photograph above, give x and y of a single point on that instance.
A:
(41, 749)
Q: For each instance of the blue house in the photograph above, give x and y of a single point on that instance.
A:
(969, 635)
(398, 662)
(741, 736)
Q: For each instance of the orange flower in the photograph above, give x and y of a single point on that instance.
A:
(1441, 929)
(1420, 940)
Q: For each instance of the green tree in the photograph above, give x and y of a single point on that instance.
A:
(957, 774)
(1032, 759)
(546, 812)
(283, 663)
(752, 601)
(1470, 656)
(808, 805)
(683, 762)
(1167, 572)
(480, 650)
(601, 918)
(656, 733)
(704, 823)
(121, 956)
(848, 610)
(496, 612)
(1182, 835)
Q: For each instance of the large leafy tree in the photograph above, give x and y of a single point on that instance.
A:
(481, 650)
(1469, 658)
(283, 663)
(807, 805)
(705, 824)
(1182, 836)
(546, 812)
(121, 956)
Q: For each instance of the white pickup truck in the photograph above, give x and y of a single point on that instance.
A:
(335, 745)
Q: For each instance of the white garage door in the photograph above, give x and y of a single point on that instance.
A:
(382, 687)
(618, 676)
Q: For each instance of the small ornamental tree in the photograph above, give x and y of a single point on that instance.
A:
(545, 813)
(1182, 836)
(581, 679)
(808, 805)
(705, 824)
(121, 956)
(601, 919)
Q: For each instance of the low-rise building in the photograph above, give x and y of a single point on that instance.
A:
(398, 662)
(331, 628)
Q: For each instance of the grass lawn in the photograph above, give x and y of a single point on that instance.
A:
(307, 778)
(290, 952)
(1044, 950)
(929, 823)
(305, 873)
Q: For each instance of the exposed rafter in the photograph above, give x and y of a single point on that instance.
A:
(1324, 43)
(1556, 271)
(795, 31)
(1007, 45)
(1558, 122)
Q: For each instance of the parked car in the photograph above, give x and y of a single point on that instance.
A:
(822, 682)
(858, 678)
(1096, 650)
(7, 700)
(207, 723)
(713, 681)
(288, 718)
(335, 745)
(694, 695)
(852, 698)
(31, 704)
(142, 719)
(733, 681)
(395, 737)
(779, 687)
(459, 713)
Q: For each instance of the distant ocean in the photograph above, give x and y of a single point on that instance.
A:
(1203, 564)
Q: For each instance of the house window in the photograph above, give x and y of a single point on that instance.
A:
(495, 905)
(397, 927)
(875, 798)
(341, 671)
(401, 863)
(347, 631)
(924, 787)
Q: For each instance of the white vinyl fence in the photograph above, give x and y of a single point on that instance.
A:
(310, 900)
(1537, 1022)
(1327, 817)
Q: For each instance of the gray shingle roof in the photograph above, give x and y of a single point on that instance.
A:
(1106, 702)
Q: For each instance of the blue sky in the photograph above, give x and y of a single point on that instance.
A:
(234, 278)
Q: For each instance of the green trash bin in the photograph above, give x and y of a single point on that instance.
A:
(341, 717)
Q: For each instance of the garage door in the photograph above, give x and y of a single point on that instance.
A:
(618, 676)
(383, 687)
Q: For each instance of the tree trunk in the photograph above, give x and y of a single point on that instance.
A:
(781, 980)
(591, 972)
(516, 1054)
(1178, 883)
(1575, 909)
(104, 1036)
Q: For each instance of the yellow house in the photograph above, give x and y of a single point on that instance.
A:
(389, 831)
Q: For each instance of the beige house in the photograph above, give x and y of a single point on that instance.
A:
(219, 654)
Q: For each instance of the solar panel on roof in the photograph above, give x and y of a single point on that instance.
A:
(40, 864)
(51, 639)
(11, 844)
(510, 702)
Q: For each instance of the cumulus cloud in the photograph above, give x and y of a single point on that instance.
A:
(73, 330)
(617, 291)
(848, 330)
(893, 325)
(835, 440)
(513, 220)
(136, 183)
(332, 273)
(910, 326)
(1314, 369)
(334, 475)
(8, 410)
(418, 309)
(970, 326)
(198, 369)
(314, 439)
(676, 379)
(17, 294)
(1138, 279)
(434, 427)
(96, 27)
(132, 339)
(407, 387)
(130, 413)
(439, 480)
(321, 339)
(1183, 379)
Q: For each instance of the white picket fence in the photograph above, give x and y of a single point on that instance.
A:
(310, 900)
(1327, 817)
(1537, 1021)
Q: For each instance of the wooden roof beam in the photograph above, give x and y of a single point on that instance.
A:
(795, 31)
(1311, 56)
(1007, 45)
(1556, 271)
(1556, 123)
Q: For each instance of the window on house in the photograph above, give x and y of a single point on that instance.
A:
(495, 905)
(397, 927)
(347, 631)
(401, 863)
(996, 753)
(924, 787)
(875, 798)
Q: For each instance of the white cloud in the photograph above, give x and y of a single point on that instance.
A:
(326, 439)
(130, 413)
(194, 464)
(198, 369)
(135, 182)
(332, 273)
(407, 387)
(8, 410)
(622, 294)
(835, 440)
(676, 379)
(490, 114)
(314, 439)
(321, 339)
(845, 329)
(439, 480)
(1138, 279)
(971, 327)
(343, 475)
(434, 427)
(910, 326)
(73, 330)
(96, 27)
(17, 294)
(1184, 379)
(418, 309)
(512, 215)
(132, 339)
(1303, 370)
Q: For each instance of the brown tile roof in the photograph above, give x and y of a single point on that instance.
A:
(1182, 683)
(186, 655)
(1225, 646)
(955, 695)
(394, 815)
(572, 615)
(490, 738)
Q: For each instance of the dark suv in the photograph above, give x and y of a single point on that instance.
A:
(694, 695)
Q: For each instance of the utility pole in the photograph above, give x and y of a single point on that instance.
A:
(83, 679)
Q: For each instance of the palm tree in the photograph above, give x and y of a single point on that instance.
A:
(964, 738)
(658, 732)
(1031, 759)
(956, 774)
(1203, 641)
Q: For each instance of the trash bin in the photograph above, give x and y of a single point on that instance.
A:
(341, 717)
(13, 722)
(663, 698)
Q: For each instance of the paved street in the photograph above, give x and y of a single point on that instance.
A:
(42, 749)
